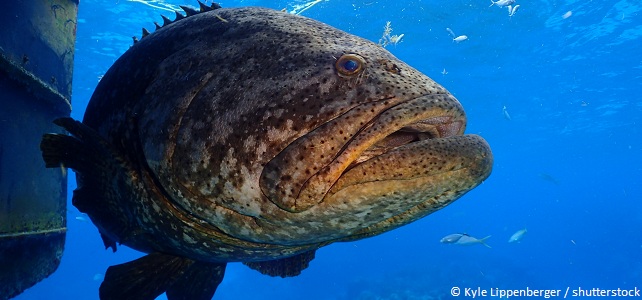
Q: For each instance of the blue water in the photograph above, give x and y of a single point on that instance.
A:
(568, 163)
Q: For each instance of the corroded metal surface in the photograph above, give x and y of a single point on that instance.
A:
(36, 62)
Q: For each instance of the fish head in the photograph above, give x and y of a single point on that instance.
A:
(383, 147)
(280, 129)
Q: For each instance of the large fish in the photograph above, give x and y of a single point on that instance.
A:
(252, 135)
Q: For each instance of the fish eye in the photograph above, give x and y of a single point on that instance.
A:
(350, 64)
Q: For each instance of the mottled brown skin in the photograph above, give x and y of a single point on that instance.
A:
(240, 139)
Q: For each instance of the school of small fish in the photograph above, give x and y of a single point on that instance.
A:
(512, 9)
(508, 4)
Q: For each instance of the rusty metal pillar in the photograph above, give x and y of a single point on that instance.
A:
(36, 62)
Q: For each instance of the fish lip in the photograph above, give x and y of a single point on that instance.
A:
(451, 122)
(402, 196)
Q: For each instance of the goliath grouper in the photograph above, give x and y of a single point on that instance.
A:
(256, 136)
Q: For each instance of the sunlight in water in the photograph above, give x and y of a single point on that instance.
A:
(158, 4)
(299, 8)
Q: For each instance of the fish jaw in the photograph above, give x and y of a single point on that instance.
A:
(407, 180)
(394, 122)
(405, 123)
(428, 175)
(409, 161)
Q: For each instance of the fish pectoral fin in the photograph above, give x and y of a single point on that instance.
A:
(199, 282)
(144, 278)
(100, 169)
(285, 267)
(84, 150)
(153, 274)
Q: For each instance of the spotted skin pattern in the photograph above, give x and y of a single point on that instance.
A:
(249, 134)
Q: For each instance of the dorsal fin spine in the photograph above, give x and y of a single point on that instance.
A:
(189, 11)
(204, 7)
(166, 20)
(178, 16)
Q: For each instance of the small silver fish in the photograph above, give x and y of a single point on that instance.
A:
(460, 38)
(505, 112)
(451, 32)
(512, 10)
(517, 236)
(502, 3)
(463, 239)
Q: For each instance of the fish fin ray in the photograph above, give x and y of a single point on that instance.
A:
(93, 159)
(84, 150)
(143, 279)
(58, 149)
(285, 267)
(199, 282)
(483, 241)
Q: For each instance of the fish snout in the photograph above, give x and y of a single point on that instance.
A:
(301, 175)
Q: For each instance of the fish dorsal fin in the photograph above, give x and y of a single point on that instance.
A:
(153, 274)
(189, 11)
(285, 267)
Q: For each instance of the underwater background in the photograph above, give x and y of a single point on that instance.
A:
(556, 90)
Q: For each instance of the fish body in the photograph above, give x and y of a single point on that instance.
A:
(512, 10)
(460, 38)
(549, 178)
(256, 136)
(517, 236)
(451, 32)
(505, 113)
(502, 3)
(464, 240)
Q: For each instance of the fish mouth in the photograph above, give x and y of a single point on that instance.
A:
(427, 117)
(431, 128)
(301, 176)
(418, 167)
